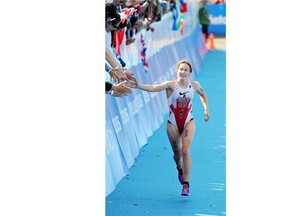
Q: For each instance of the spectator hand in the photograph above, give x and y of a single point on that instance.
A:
(118, 74)
(130, 77)
(122, 88)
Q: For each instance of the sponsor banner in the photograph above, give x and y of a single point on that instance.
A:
(139, 110)
(141, 125)
(115, 165)
(122, 138)
(109, 178)
(128, 129)
(218, 19)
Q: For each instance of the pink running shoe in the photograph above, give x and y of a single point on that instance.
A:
(185, 190)
(181, 178)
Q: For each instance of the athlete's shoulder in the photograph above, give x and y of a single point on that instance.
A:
(168, 84)
(171, 81)
(195, 83)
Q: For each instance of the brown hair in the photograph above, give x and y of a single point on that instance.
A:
(112, 14)
(186, 62)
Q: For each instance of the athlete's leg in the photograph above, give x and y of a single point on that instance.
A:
(187, 137)
(175, 142)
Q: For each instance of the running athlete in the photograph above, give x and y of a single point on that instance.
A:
(180, 124)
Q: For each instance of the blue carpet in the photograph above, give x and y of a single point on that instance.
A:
(152, 187)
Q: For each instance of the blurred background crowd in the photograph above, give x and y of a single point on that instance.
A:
(123, 20)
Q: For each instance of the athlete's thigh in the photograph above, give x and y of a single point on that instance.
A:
(173, 135)
(188, 133)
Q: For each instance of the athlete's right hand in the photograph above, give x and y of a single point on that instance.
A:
(133, 83)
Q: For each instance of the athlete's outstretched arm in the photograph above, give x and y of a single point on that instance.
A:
(204, 100)
(152, 88)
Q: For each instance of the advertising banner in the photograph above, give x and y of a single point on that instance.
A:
(218, 19)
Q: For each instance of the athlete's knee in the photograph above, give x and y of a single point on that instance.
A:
(174, 145)
(176, 156)
(185, 152)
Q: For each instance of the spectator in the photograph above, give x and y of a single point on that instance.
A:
(113, 20)
(204, 19)
(136, 18)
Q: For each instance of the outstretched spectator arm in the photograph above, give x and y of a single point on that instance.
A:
(117, 73)
(120, 71)
(121, 88)
(107, 67)
(110, 59)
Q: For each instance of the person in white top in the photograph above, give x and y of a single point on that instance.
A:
(180, 124)
(117, 73)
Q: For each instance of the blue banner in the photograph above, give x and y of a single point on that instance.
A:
(116, 166)
(218, 19)
(112, 109)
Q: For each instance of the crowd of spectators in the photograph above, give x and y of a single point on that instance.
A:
(126, 18)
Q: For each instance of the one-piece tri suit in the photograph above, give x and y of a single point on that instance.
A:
(180, 106)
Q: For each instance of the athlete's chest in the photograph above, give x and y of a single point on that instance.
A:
(183, 95)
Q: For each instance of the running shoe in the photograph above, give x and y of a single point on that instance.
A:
(185, 190)
(181, 178)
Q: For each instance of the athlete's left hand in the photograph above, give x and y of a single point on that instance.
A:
(207, 116)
